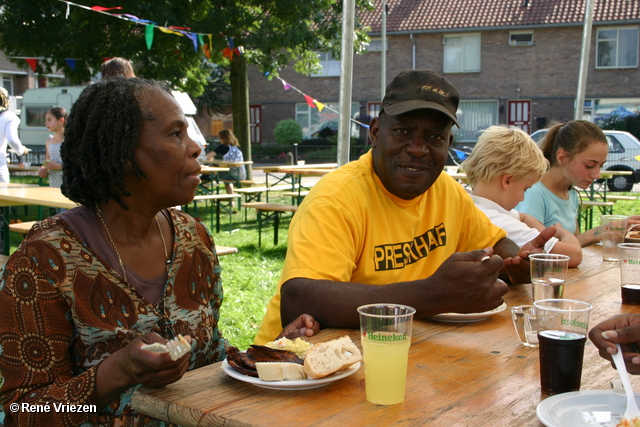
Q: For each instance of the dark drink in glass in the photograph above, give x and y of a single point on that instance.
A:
(561, 354)
(631, 294)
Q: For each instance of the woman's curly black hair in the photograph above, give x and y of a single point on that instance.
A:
(100, 138)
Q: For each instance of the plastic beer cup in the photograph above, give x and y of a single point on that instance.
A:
(613, 229)
(562, 334)
(548, 275)
(630, 273)
(386, 337)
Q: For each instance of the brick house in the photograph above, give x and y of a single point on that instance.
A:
(17, 80)
(513, 61)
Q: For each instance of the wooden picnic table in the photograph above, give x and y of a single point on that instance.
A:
(283, 173)
(17, 194)
(592, 192)
(227, 163)
(22, 170)
(278, 168)
(296, 174)
(459, 374)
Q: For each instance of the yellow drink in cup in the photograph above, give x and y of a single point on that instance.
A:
(385, 370)
(385, 338)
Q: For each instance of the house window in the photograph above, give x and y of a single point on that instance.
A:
(373, 109)
(7, 83)
(617, 48)
(473, 117)
(520, 38)
(462, 53)
(375, 45)
(324, 124)
(330, 66)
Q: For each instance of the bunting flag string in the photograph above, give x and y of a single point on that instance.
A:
(312, 102)
(33, 61)
(197, 39)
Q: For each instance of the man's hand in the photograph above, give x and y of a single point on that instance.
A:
(518, 266)
(470, 285)
(304, 326)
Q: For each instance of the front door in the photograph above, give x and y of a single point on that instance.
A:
(519, 114)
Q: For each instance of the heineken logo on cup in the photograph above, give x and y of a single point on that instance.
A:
(374, 336)
(574, 322)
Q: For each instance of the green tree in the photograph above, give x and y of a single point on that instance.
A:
(288, 132)
(273, 33)
(629, 124)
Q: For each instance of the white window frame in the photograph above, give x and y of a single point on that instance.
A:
(312, 120)
(375, 45)
(616, 62)
(473, 120)
(514, 42)
(330, 66)
(462, 53)
(7, 83)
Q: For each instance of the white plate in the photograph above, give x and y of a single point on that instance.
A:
(289, 385)
(468, 317)
(583, 409)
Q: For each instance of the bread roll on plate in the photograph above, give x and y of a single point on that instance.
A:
(331, 356)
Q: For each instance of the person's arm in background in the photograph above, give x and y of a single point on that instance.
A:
(594, 235)
(11, 133)
(567, 244)
(43, 172)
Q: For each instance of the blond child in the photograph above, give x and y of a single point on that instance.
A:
(503, 164)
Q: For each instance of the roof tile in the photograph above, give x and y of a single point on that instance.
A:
(425, 15)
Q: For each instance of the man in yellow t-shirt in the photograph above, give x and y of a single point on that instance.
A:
(390, 227)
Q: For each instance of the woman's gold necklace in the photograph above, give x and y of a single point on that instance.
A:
(115, 248)
(164, 323)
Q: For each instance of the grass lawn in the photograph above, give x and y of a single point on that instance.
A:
(250, 277)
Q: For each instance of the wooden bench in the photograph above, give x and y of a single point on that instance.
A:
(267, 212)
(616, 198)
(242, 183)
(297, 196)
(254, 194)
(217, 199)
(586, 211)
(3, 260)
(21, 227)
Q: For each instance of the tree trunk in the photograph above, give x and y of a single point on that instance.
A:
(240, 105)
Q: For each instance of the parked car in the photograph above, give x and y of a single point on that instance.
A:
(624, 155)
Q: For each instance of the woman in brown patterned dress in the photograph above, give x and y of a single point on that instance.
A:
(89, 287)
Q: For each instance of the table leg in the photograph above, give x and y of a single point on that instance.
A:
(217, 216)
(6, 215)
(259, 228)
(276, 223)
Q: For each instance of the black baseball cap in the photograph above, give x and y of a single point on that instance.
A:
(416, 89)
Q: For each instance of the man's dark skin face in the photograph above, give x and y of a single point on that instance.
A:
(410, 150)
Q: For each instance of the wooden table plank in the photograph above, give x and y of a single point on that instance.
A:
(459, 374)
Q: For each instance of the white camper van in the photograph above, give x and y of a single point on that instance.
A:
(36, 102)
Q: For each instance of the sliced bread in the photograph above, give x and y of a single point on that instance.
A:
(329, 357)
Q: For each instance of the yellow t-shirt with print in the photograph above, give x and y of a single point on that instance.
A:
(351, 229)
